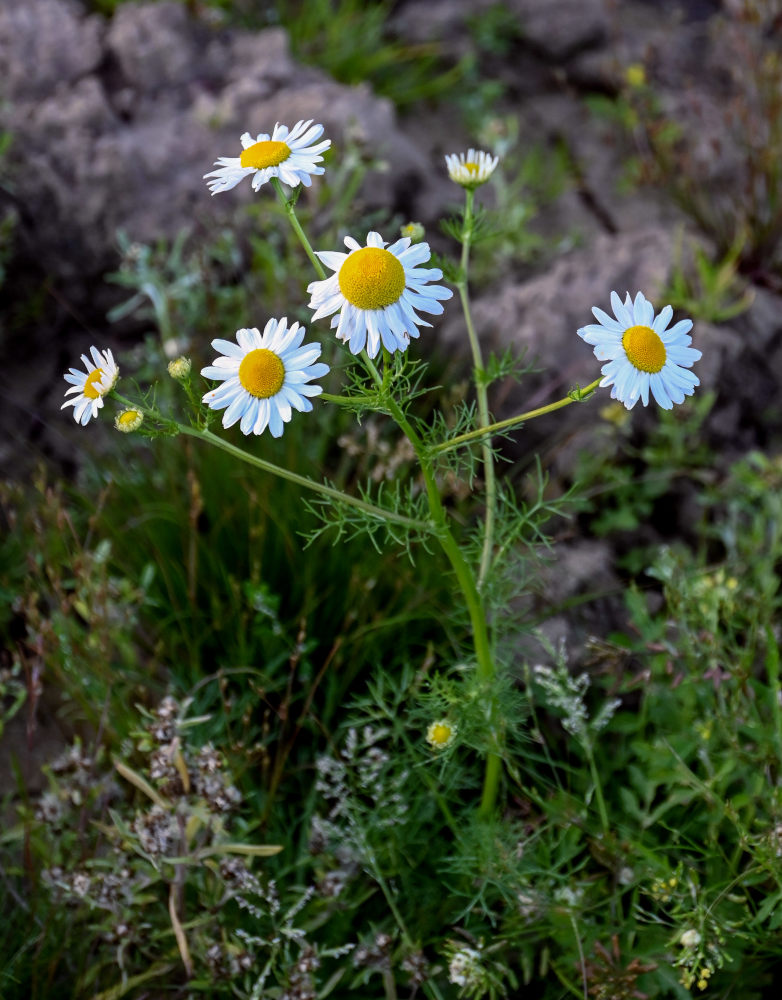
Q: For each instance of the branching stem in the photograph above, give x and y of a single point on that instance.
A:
(576, 396)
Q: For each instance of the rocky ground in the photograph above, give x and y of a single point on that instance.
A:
(115, 122)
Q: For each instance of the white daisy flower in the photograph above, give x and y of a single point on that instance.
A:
(91, 385)
(264, 376)
(286, 154)
(471, 169)
(643, 353)
(377, 291)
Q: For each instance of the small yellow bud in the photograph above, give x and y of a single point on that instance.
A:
(179, 368)
(129, 420)
(635, 76)
(440, 734)
(414, 231)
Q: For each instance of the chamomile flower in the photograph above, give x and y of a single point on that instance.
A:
(471, 169)
(129, 420)
(440, 734)
(642, 353)
(287, 153)
(90, 386)
(375, 292)
(264, 377)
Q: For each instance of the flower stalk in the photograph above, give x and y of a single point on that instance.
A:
(481, 389)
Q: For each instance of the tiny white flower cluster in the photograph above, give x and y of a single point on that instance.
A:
(464, 968)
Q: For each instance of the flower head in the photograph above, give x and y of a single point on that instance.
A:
(287, 153)
(414, 230)
(129, 420)
(642, 353)
(90, 386)
(464, 967)
(690, 938)
(375, 292)
(179, 368)
(263, 376)
(441, 734)
(471, 169)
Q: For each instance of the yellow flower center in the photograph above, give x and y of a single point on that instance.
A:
(471, 168)
(264, 154)
(262, 373)
(93, 380)
(130, 418)
(440, 733)
(372, 278)
(644, 349)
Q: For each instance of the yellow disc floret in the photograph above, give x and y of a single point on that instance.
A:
(128, 420)
(644, 349)
(440, 734)
(264, 154)
(262, 373)
(92, 388)
(372, 278)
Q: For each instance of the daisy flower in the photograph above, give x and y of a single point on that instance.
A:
(263, 376)
(376, 292)
(91, 385)
(642, 353)
(441, 734)
(471, 169)
(129, 420)
(287, 154)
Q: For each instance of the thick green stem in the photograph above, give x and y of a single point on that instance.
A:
(291, 213)
(520, 418)
(481, 391)
(466, 581)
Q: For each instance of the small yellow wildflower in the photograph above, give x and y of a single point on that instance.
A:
(129, 420)
(440, 734)
(635, 76)
(179, 368)
(614, 413)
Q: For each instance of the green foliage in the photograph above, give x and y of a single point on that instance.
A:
(739, 208)
(707, 289)
(251, 668)
(351, 41)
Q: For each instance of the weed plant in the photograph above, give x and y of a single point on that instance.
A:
(331, 769)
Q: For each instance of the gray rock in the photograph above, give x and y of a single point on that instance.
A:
(45, 44)
(542, 315)
(127, 146)
(562, 28)
(156, 46)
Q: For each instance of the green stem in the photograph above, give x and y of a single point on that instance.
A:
(291, 213)
(368, 508)
(466, 580)
(520, 418)
(481, 390)
(328, 491)
(601, 805)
